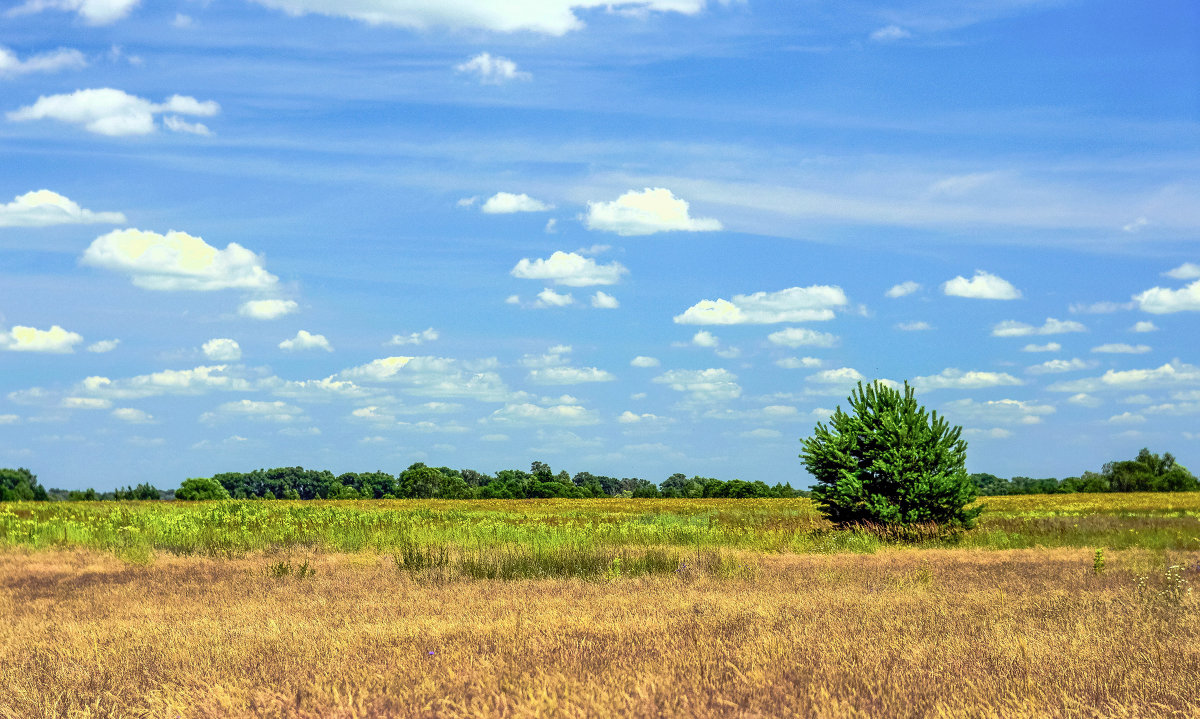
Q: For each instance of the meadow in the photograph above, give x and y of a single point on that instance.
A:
(1066, 606)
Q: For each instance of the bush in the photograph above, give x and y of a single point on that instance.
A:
(17, 485)
(201, 488)
(890, 462)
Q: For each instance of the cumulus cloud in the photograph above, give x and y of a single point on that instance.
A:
(198, 380)
(1144, 326)
(643, 361)
(802, 337)
(798, 362)
(914, 326)
(1099, 308)
(645, 213)
(570, 269)
(103, 346)
(1126, 418)
(1055, 366)
(1012, 328)
(549, 17)
(703, 386)
(604, 301)
(1174, 373)
(264, 411)
(1084, 399)
(267, 309)
(53, 61)
(1000, 411)
(953, 378)
(983, 286)
(93, 12)
(1048, 347)
(549, 298)
(504, 203)
(795, 304)
(222, 349)
(841, 375)
(994, 433)
(177, 261)
(55, 340)
(414, 338)
(433, 377)
(569, 375)
(903, 289)
(1162, 300)
(704, 338)
(1121, 348)
(491, 70)
(132, 415)
(42, 208)
(106, 111)
(1186, 271)
(304, 340)
(557, 414)
(85, 403)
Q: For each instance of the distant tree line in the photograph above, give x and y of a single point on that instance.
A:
(1148, 472)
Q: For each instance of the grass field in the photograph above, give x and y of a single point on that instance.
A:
(592, 608)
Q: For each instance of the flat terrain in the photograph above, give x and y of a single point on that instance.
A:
(745, 608)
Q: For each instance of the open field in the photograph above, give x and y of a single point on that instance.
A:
(650, 608)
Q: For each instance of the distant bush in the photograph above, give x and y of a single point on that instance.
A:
(1148, 472)
(21, 485)
(200, 488)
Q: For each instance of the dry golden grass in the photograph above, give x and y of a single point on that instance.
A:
(901, 633)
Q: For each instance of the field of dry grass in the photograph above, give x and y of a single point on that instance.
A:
(897, 633)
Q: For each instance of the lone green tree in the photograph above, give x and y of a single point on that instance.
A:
(890, 462)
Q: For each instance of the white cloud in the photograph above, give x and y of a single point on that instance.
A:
(798, 363)
(106, 111)
(30, 339)
(554, 357)
(1161, 300)
(132, 416)
(1059, 365)
(769, 413)
(1083, 399)
(645, 213)
(1144, 326)
(802, 337)
(914, 326)
(175, 123)
(9, 419)
(1138, 399)
(1126, 418)
(903, 289)
(953, 378)
(177, 261)
(491, 70)
(1136, 225)
(643, 361)
(434, 377)
(1000, 411)
(267, 309)
(1186, 271)
(569, 375)
(983, 286)
(890, 33)
(841, 375)
(628, 417)
(558, 415)
(504, 203)
(1012, 328)
(1100, 308)
(704, 338)
(1174, 373)
(198, 380)
(1121, 348)
(994, 433)
(415, 338)
(257, 410)
(93, 12)
(103, 346)
(41, 208)
(761, 433)
(1048, 347)
(549, 298)
(305, 340)
(570, 269)
(795, 304)
(53, 61)
(182, 21)
(222, 349)
(85, 403)
(549, 17)
(703, 386)
(604, 301)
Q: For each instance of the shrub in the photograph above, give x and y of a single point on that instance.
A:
(890, 462)
(201, 488)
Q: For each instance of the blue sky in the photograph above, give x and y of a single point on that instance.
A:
(634, 238)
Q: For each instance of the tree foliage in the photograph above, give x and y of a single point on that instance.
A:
(20, 485)
(889, 462)
(199, 488)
